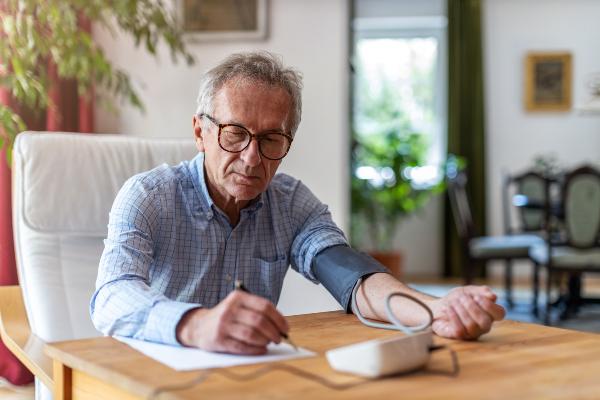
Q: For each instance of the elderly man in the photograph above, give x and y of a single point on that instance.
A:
(180, 236)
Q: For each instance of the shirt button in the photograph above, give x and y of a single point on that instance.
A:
(228, 278)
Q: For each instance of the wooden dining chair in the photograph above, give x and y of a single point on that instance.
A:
(484, 248)
(526, 200)
(576, 249)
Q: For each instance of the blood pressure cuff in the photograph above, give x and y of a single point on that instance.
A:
(338, 268)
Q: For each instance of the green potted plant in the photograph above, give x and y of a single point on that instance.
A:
(44, 42)
(385, 190)
(36, 33)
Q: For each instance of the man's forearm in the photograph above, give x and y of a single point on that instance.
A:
(373, 291)
(130, 308)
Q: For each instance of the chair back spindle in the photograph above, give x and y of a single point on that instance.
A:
(459, 202)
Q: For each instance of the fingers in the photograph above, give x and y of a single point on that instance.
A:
(486, 299)
(247, 334)
(496, 311)
(240, 324)
(483, 291)
(231, 345)
(260, 323)
(475, 320)
(252, 320)
(263, 307)
(455, 328)
(468, 312)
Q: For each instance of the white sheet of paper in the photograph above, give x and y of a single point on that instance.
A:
(186, 358)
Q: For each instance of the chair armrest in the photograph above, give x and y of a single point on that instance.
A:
(18, 338)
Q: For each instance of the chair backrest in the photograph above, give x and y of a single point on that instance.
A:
(456, 182)
(64, 185)
(581, 202)
(529, 187)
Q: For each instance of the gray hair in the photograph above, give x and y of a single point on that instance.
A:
(260, 67)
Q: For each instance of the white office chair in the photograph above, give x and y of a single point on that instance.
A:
(64, 185)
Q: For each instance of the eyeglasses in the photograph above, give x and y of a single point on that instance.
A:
(236, 138)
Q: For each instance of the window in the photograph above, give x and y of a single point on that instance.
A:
(399, 85)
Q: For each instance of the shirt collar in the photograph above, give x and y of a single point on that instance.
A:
(209, 205)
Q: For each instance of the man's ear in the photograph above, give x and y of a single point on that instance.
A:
(197, 124)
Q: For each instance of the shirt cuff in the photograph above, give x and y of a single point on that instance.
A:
(161, 326)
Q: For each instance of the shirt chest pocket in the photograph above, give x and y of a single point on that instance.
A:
(269, 267)
(265, 276)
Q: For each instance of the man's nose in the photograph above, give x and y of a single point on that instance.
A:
(251, 154)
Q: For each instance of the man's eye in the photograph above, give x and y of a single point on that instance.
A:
(274, 138)
(235, 132)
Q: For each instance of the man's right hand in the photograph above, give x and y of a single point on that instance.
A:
(242, 323)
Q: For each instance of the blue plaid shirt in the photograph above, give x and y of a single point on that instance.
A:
(170, 248)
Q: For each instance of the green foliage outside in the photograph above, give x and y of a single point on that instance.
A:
(33, 32)
(385, 142)
(378, 208)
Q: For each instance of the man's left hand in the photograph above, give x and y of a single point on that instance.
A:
(466, 312)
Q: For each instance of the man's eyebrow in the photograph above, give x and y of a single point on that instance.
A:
(269, 130)
(275, 130)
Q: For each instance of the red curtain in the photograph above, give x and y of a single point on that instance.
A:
(71, 113)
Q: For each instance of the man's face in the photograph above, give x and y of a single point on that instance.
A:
(234, 179)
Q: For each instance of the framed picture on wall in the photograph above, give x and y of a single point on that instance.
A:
(548, 81)
(210, 20)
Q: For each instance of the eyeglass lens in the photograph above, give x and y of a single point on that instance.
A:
(272, 145)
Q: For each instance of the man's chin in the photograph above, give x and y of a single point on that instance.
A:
(245, 193)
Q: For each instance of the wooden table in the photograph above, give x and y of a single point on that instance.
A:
(515, 361)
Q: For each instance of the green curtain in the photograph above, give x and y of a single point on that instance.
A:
(466, 136)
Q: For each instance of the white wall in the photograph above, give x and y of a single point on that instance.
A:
(514, 137)
(311, 35)
(420, 237)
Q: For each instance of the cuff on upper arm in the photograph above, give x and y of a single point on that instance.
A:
(338, 268)
(161, 326)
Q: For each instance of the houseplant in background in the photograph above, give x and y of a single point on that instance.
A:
(43, 41)
(388, 185)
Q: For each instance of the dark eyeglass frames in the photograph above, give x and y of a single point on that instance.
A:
(236, 138)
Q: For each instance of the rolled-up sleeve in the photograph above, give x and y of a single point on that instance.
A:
(315, 230)
(320, 251)
(124, 302)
